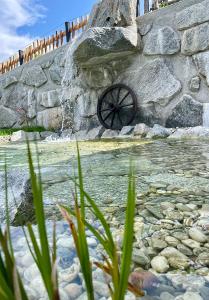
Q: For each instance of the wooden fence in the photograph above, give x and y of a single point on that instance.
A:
(40, 47)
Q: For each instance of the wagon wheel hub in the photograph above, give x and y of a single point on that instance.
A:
(117, 107)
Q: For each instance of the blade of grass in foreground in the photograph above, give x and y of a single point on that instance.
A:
(42, 254)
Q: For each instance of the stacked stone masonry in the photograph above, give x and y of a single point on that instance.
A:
(163, 56)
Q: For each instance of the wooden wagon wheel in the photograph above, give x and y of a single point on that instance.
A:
(117, 107)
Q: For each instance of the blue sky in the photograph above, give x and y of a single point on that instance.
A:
(23, 21)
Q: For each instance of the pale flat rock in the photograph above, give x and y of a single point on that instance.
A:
(162, 41)
(196, 39)
(33, 76)
(193, 15)
(50, 99)
(160, 264)
(22, 136)
(197, 235)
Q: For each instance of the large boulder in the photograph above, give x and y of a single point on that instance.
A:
(163, 41)
(113, 13)
(195, 39)
(202, 63)
(153, 82)
(193, 15)
(33, 76)
(20, 198)
(7, 117)
(187, 113)
(98, 45)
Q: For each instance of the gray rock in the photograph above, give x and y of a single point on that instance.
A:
(195, 84)
(203, 258)
(166, 296)
(160, 264)
(192, 296)
(10, 79)
(50, 99)
(126, 130)
(197, 235)
(158, 132)
(191, 243)
(74, 290)
(158, 244)
(50, 118)
(193, 15)
(187, 113)
(201, 61)
(56, 74)
(110, 134)
(153, 82)
(7, 117)
(95, 133)
(141, 130)
(140, 258)
(171, 252)
(22, 136)
(98, 45)
(184, 249)
(21, 209)
(109, 13)
(33, 76)
(195, 39)
(194, 132)
(163, 41)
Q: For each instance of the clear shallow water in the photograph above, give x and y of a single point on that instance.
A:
(181, 166)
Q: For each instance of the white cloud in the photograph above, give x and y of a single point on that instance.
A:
(13, 15)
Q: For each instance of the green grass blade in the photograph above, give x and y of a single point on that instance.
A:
(128, 237)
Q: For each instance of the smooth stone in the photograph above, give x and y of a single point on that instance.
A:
(160, 264)
(191, 243)
(192, 296)
(74, 290)
(171, 241)
(101, 288)
(197, 235)
(184, 249)
(166, 296)
(140, 258)
(203, 259)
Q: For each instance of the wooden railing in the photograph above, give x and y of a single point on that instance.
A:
(43, 46)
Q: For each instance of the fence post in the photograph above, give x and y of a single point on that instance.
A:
(146, 6)
(21, 59)
(68, 33)
(138, 8)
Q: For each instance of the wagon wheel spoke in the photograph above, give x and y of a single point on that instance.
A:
(107, 116)
(127, 105)
(119, 118)
(118, 95)
(106, 109)
(113, 118)
(126, 95)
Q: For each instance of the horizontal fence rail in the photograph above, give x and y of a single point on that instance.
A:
(43, 46)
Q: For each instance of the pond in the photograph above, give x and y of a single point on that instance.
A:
(172, 209)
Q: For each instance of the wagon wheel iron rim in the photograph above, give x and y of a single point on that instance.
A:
(117, 107)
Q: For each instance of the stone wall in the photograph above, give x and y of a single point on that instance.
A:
(163, 56)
